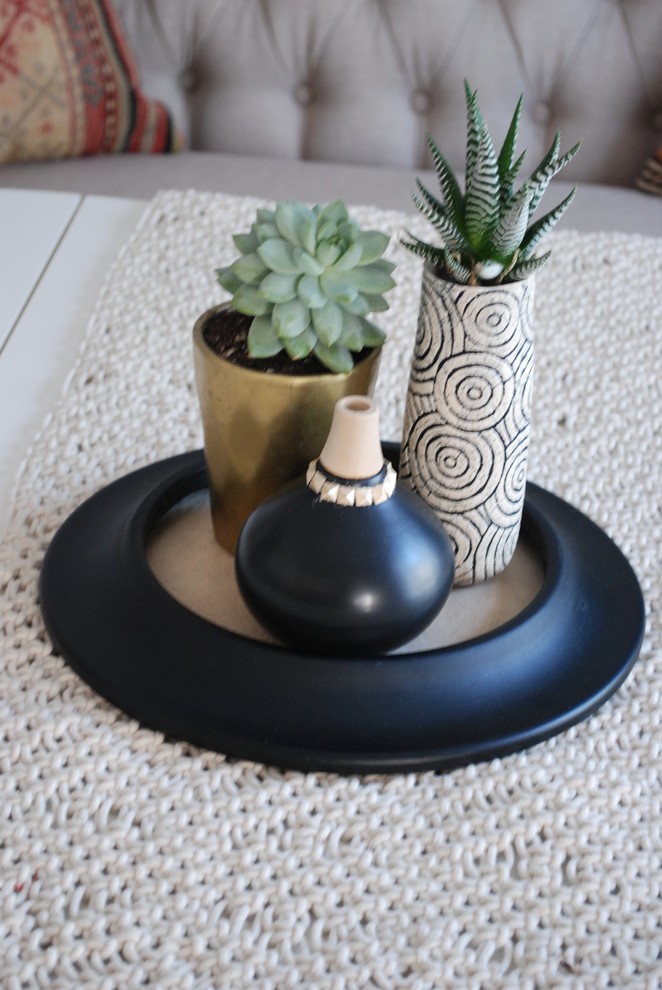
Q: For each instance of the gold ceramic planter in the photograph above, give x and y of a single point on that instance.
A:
(262, 430)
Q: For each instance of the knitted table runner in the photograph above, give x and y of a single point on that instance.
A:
(130, 860)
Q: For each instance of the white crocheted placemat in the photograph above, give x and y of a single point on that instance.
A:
(128, 860)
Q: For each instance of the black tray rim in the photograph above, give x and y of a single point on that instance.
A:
(111, 584)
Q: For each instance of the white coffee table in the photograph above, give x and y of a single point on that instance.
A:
(55, 252)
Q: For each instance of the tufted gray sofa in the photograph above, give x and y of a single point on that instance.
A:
(319, 98)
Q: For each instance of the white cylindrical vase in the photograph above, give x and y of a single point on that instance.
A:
(466, 429)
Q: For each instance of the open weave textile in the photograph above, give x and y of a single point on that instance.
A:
(130, 860)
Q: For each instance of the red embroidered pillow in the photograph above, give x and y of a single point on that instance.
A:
(650, 179)
(69, 84)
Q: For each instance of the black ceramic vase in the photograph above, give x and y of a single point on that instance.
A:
(347, 561)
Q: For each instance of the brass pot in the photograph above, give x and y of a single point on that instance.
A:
(262, 430)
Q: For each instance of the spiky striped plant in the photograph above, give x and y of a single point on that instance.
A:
(487, 233)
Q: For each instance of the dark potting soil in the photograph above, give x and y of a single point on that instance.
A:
(226, 333)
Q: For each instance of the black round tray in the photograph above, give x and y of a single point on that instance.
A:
(552, 665)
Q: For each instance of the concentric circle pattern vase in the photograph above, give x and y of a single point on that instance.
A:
(466, 428)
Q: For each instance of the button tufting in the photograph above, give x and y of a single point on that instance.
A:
(542, 112)
(189, 80)
(420, 101)
(304, 94)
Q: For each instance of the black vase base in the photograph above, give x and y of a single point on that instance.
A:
(198, 573)
(468, 693)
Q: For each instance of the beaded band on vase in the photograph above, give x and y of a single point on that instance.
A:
(335, 490)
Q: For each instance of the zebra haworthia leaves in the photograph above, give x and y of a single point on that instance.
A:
(487, 233)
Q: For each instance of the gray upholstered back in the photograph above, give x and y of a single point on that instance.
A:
(361, 80)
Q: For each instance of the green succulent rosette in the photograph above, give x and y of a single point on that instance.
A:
(309, 277)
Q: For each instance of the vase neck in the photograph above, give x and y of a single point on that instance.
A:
(353, 447)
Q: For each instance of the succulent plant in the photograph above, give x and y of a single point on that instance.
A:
(309, 277)
(487, 233)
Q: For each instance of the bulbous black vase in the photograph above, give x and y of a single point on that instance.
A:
(338, 565)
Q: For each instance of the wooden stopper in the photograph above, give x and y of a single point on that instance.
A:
(353, 448)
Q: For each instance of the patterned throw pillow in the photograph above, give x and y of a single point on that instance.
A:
(650, 179)
(69, 85)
